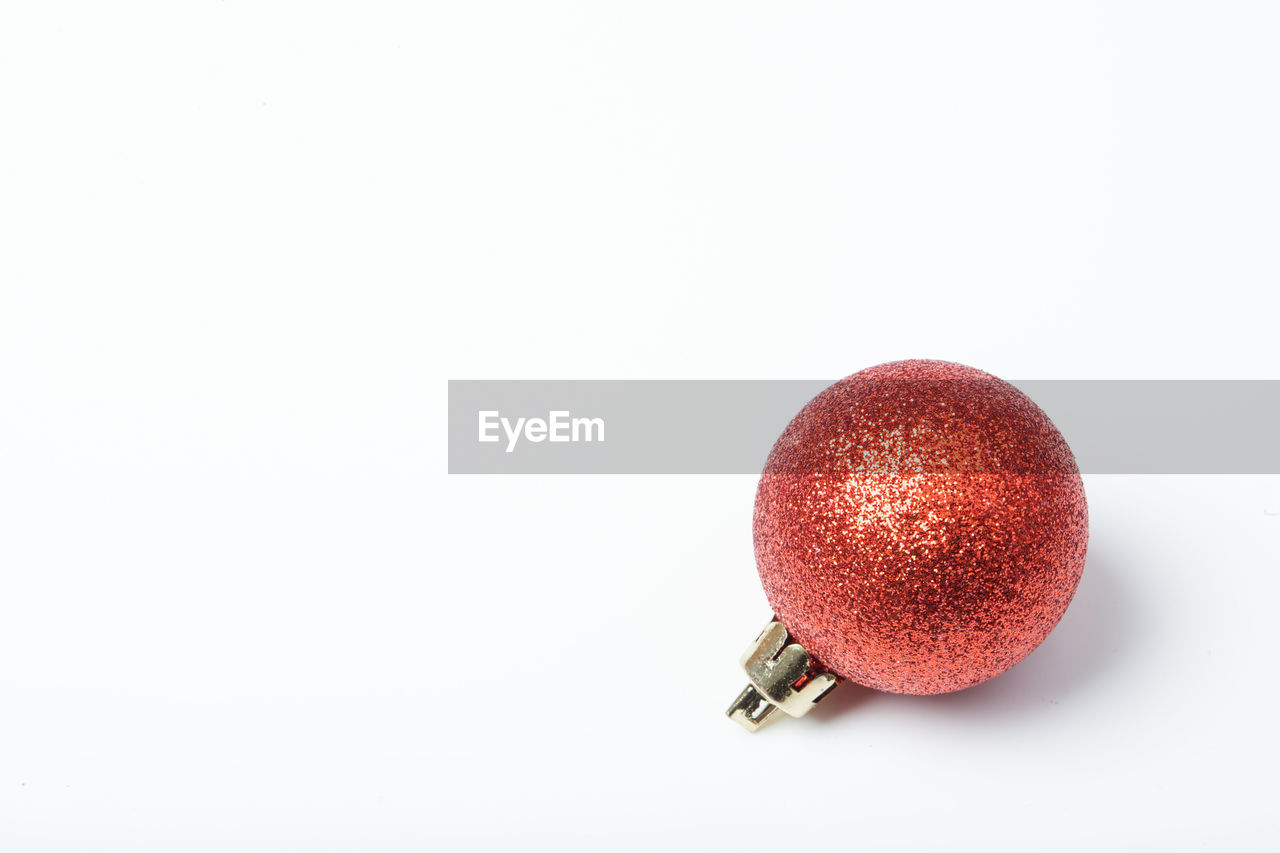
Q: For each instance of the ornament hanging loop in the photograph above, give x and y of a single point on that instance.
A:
(782, 678)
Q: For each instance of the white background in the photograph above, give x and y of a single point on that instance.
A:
(243, 247)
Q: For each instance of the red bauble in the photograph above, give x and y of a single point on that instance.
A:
(920, 527)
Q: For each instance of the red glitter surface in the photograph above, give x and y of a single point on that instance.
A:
(920, 527)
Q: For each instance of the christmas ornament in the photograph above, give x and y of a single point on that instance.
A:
(920, 527)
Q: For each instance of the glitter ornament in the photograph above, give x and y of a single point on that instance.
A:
(920, 527)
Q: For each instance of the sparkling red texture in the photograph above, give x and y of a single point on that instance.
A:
(920, 527)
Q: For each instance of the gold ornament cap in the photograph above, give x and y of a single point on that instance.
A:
(782, 678)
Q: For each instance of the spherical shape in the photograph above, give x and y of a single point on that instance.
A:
(920, 527)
